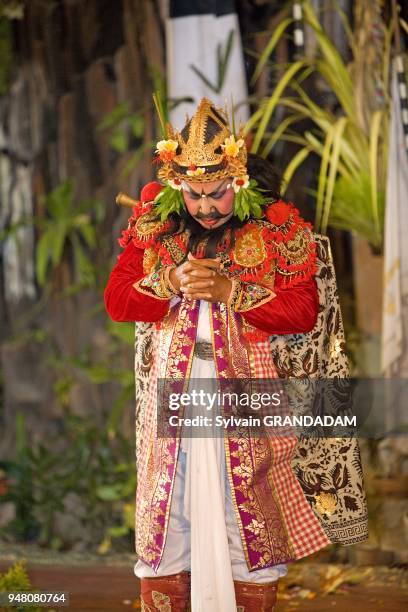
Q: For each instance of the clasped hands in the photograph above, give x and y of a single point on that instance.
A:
(199, 279)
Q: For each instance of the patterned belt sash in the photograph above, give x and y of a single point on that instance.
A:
(204, 350)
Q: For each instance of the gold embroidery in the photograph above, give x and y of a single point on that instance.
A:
(176, 252)
(157, 284)
(235, 295)
(221, 316)
(144, 607)
(295, 251)
(249, 250)
(254, 455)
(180, 340)
(268, 280)
(154, 476)
(325, 503)
(147, 225)
(246, 296)
(161, 601)
(150, 259)
(178, 324)
(236, 347)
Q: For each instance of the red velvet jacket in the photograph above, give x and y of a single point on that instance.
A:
(293, 310)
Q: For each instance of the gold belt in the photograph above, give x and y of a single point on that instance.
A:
(204, 350)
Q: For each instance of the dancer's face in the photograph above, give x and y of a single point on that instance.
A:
(212, 203)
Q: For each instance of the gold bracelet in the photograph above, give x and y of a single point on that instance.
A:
(157, 284)
(235, 294)
(167, 281)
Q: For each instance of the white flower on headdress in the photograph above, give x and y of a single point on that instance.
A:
(240, 182)
(175, 184)
(166, 149)
(231, 147)
(195, 171)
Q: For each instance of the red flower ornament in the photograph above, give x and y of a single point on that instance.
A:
(278, 212)
(150, 191)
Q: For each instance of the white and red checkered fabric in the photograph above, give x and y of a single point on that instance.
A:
(304, 528)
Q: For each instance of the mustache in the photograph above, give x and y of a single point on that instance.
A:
(213, 215)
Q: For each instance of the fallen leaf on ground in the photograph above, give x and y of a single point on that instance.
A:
(306, 594)
(350, 576)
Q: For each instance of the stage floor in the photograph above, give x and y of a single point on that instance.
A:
(309, 587)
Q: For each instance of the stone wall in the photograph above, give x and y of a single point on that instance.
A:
(74, 62)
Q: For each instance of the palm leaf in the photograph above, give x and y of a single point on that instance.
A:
(273, 101)
(373, 156)
(253, 120)
(294, 164)
(337, 135)
(353, 153)
(333, 67)
(323, 177)
(343, 167)
(275, 38)
(276, 135)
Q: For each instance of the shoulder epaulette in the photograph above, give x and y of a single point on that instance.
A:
(143, 225)
(293, 240)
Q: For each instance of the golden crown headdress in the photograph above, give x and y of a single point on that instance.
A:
(196, 154)
(205, 150)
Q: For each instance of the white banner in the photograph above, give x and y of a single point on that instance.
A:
(204, 58)
(395, 302)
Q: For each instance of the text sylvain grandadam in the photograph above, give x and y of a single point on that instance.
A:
(305, 420)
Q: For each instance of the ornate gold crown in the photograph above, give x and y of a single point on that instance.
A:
(199, 157)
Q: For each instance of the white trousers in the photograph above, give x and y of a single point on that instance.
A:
(203, 536)
(177, 551)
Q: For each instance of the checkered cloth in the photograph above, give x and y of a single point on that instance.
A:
(303, 527)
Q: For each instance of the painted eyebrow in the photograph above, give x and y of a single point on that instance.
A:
(207, 194)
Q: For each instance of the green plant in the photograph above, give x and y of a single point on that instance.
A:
(16, 579)
(68, 226)
(95, 463)
(99, 372)
(125, 128)
(128, 525)
(351, 143)
(20, 486)
(122, 125)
